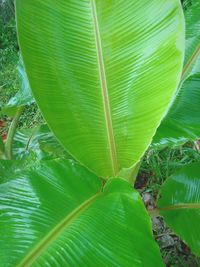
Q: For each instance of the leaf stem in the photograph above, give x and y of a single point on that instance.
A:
(135, 172)
(11, 133)
(130, 174)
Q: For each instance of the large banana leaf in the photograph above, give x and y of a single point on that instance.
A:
(180, 204)
(59, 215)
(182, 123)
(102, 73)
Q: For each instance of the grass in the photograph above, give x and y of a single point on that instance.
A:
(9, 83)
(158, 165)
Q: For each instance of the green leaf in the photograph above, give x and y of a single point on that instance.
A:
(38, 141)
(182, 122)
(103, 73)
(186, 4)
(180, 204)
(23, 96)
(59, 215)
(192, 19)
(9, 167)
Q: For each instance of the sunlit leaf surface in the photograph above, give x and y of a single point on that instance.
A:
(102, 73)
(59, 215)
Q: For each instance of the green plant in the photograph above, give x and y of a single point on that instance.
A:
(103, 80)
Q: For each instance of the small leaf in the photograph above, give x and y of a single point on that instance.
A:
(179, 204)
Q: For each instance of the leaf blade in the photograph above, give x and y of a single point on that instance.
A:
(67, 85)
(78, 225)
(180, 204)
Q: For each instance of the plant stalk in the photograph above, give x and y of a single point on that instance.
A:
(134, 173)
(11, 133)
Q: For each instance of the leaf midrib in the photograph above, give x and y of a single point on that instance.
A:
(190, 62)
(55, 232)
(180, 206)
(104, 91)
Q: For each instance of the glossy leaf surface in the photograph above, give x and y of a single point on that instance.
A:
(39, 142)
(182, 123)
(192, 34)
(183, 120)
(9, 167)
(103, 73)
(180, 204)
(59, 215)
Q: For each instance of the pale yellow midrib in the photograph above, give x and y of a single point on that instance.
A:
(191, 60)
(104, 91)
(181, 206)
(55, 232)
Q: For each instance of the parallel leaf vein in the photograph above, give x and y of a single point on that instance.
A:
(55, 232)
